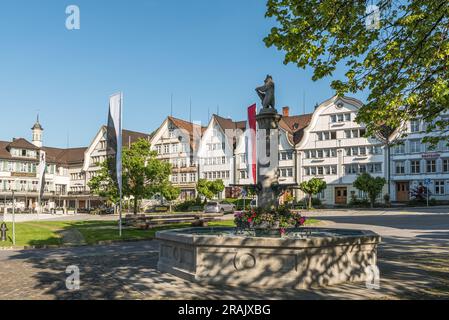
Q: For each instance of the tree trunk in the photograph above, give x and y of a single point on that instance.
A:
(135, 205)
(310, 201)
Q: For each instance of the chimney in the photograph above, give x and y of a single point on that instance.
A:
(285, 111)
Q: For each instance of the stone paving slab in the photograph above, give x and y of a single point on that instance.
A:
(413, 262)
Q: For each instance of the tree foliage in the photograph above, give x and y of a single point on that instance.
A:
(312, 187)
(402, 61)
(143, 175)
(170, 193)
(103, 185)
(209, 189)
(372, 186)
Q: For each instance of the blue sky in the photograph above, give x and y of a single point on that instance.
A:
(209, 51)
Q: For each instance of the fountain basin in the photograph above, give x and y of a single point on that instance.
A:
(301, 259)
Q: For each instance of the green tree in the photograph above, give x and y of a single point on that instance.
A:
(202, 187)
(103, 185)
(217, 186)
(402, 58)
(170, 193)
(143, 175)
(209, 189)
(372, 186)
(312, 187)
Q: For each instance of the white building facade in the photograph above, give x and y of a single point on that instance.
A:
(415, 164)
(216, 152)
(177, 141)
(333, 149)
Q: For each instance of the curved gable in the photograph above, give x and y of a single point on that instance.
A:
(328, 107)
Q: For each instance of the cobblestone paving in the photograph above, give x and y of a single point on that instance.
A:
(411, 265)
(121, 276)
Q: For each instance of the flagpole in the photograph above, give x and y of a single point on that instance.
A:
(121, 163)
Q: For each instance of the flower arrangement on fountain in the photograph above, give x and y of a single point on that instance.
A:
(279, 219)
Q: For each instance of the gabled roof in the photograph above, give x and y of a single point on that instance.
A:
(4, 153)
(132, 136)
(186, 125)
(65, 156)
(189, 128)
(22, 143)
(295, 125)
(229, 124)
(5, 149)
(129, 136)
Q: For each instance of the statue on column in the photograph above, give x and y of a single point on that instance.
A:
(266, 94)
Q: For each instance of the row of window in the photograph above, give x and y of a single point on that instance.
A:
(183, 178)
(24, 167)
(23, 186)
(212, 175)
(363, 151)
(415, 166)
(77, 176)
(359, 168)
(170, 148)
(320, 153)
(215, 146)
(320, 170)
(179, 162)
(286, 172)
(23, 153)
(214, 161)
(354, 151)
(286, 155)
(416, 146)
(341, 117)
(96, 160)
(77, 188)
(348, 134)
(355, 133)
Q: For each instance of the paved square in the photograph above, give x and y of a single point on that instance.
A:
(413, 261)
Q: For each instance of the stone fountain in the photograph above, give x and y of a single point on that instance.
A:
(303, 258)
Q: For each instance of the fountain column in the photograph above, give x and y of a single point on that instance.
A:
(268, 157)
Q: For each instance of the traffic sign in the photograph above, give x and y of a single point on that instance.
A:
(427, 182)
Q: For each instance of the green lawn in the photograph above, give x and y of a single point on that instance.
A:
(49, 232)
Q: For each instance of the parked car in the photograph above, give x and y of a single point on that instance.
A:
(219, 207)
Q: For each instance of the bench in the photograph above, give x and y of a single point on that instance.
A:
(142, 221)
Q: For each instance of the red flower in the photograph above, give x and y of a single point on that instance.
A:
(250, 220)
(302, 220)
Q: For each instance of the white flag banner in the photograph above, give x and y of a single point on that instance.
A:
(114, 137)
(41, 173)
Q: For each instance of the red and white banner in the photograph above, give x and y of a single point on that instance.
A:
(251, 143)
